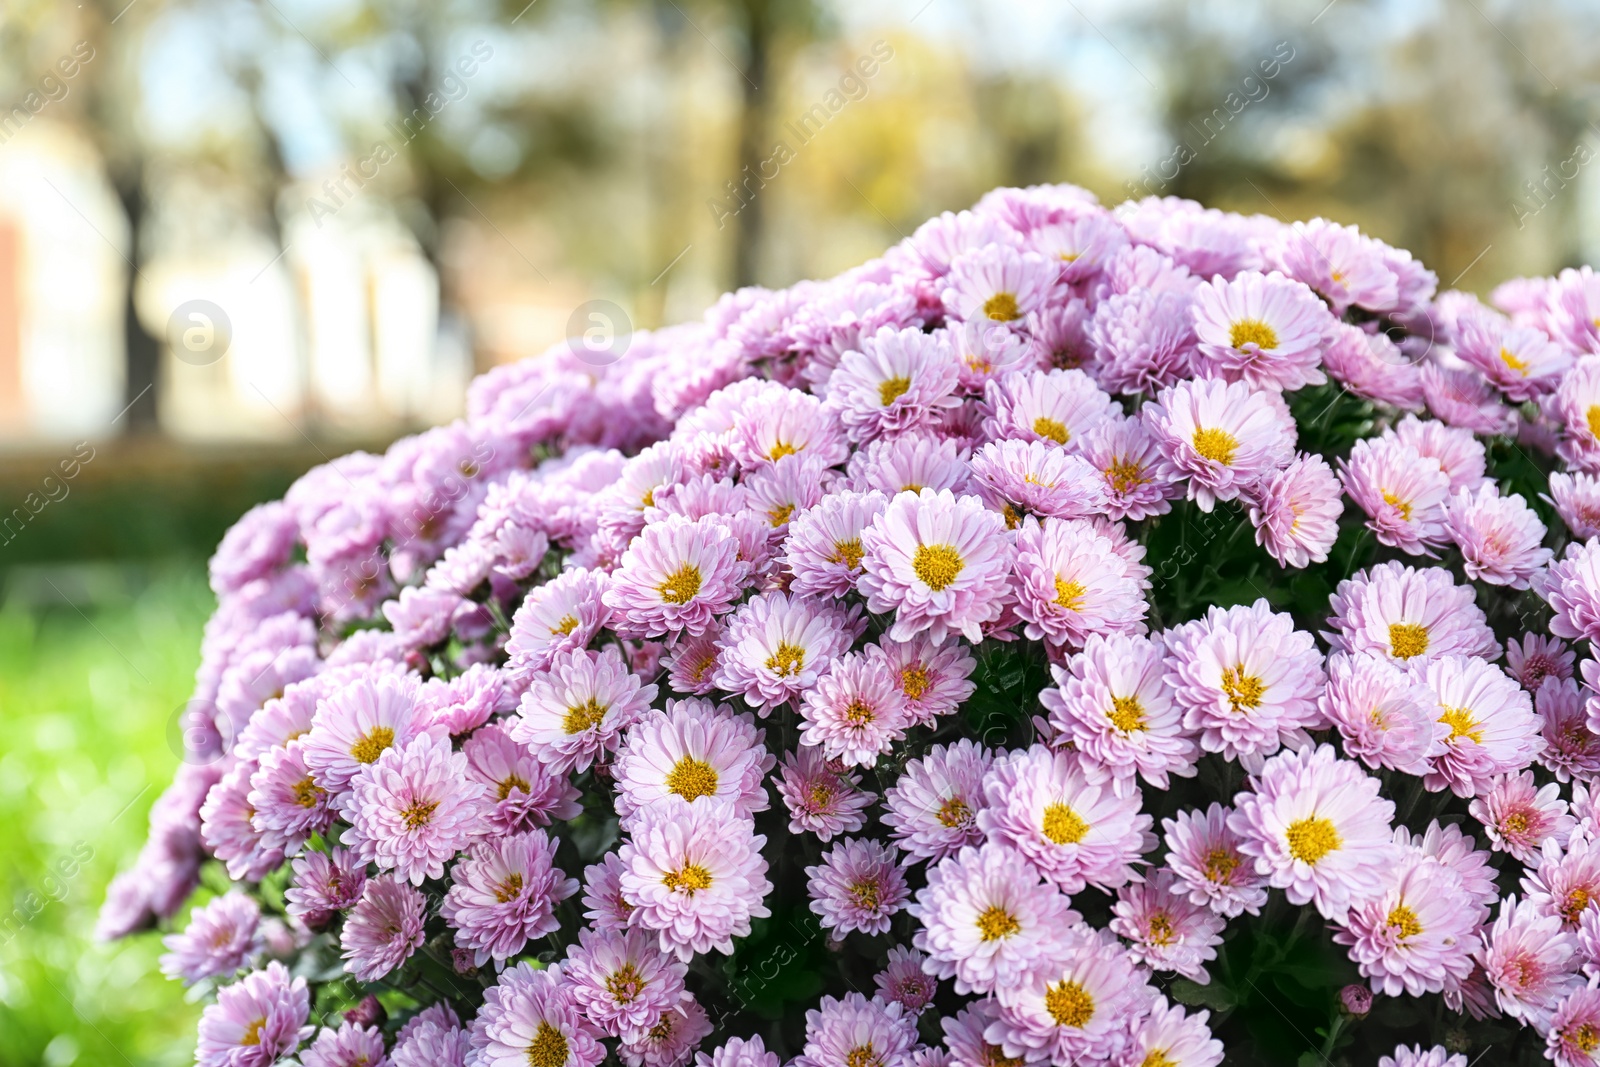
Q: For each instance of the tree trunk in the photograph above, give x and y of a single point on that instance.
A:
(749, 224)
(142, 355)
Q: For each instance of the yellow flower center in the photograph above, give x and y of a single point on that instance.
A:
(568, 624)
(1510, 359)
(549, 1048)
(780, 515)
(1161, 931)
(787, 661)
(1462, 724)
(1157, 1057)
(937, 565)
(1572, 906)
(1070, 595)
(1312, 838)
(691, 879)
(892, 389)
(1220, 864)
(1002, 307)
(821, 795)
(581, 717)
(1585, 1037)
(307, 793)
(847, 552)
(1069, 1004)
(252, 1033)
(624, 984)
(1047, 427)
(954, 812)
(780, 449)
(1593, 417)
(1216, 445)
(995, 1056)
(692, 779)
(1243, 690)
(863, 1056)
(373, 744)
(865, 894)
(1404, 921)
(419, 815)
(1402, 506)
(1407, 639)
(859, 713)
(1515, 823)
(1063, 825)
(1126, 714)
(996, 922)
(681, 585)
(513, 782)
(914, 681)
(510, 889)
(1252, 331)
(1125, 475)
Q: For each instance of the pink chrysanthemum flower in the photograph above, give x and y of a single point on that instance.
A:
(900, 380)
(776, 646)
(348, 1046)
(1056, 407)
(855, 713)
(1385, 716)
(1078, 1007)
(1205, 855)
(774, 493)
(932, 809)
(1266, 330)
(940, 563)
(1317, 829)
(505, 893)
(1168, 930)
(1518, 816)
(1113, 704)
(359, 723)
(1145, 340)
(905, 982)
(739, 1052)
(1492, 725)
(822, 797)
(1370, 365)
(255, 1021)
(1499, 537)
(786, 422)
(289, 805)
(1018, 478)
(1536, 658)
(384, 928)
(987, 918)
(1296, 512)
(1408, 615)
(911, 464)
(998, 283)
(856, 1031)
(1530, 961)
(1521, 362)
(934, 679)
(1072, 582)
(604, 905)
(1574, 1037)
(574, 712)
(693, 750)
(1463, 399)
(1565, 882)
(823, 551)
(860, 885)
(323, 884)
(672, 1041)
(1074, 831)
(1137, 479)
(694, 874)
(676, 576)
(964, 1040)
(1417, 1056)
(562, 615)
(1080, 243)
(414, 809)
(1248, 681)
(1576, 496)
(1572, 587)
(623, 982)
(1459, 454)
(1417, 934)
(1168, 1035)
(530, 1018)
(222, 938)
(1458, 851)
(1224, 436)
(226, 827)
(1402, 491)
(521, 792)
(987, 350)
(1571, 749)
(1341, 264)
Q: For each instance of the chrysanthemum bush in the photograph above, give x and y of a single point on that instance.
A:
(1148, 637)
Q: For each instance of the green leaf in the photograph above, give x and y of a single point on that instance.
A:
(1216, 997)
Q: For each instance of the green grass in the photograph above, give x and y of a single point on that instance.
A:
(85, 701)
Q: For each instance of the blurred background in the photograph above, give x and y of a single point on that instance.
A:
(240, 237)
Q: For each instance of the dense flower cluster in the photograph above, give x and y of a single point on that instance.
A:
(1115, 633)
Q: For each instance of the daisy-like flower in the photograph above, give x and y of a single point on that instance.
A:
(1113, 703)
(855, 713)
(384, 929)
(1248, 681)
(289, 805)
(1075, 832)
(530, 1018)
(1145, 340)
(900, 380)
(359, 723)
(1342, 265)
(348, 1046)
(1499, 537)
(1081, 243)
(1019, 478)
(1079, 1006)
(521, 792)
(1137, 479)
(1576, 496)
(776, 646)
(860, 885)
(693, 750)
(1317, 829)
(857, 1032)
(739, 1052)
(964, 1040)
(1417, 1056)
(1458, 851)
(932, 809)
(1523, 363)
(1223, 436)
(1056, 407)
(998, 284)
(1492, 725)
(987, 918)
(676, 577)
(414, 809)
(1386, 717)
(987, 350)
(1072, 582)
(1296, 512)
(623, 982)
(434, 1038)
(822, 797)
(777, 491)
(1530, 961)
(1168, 1035)
(1574, 1037)
(786, 422)
(823, 551)
(1571, 749)
(911, 463)
(222, 938)
(1408, 615)
(1518, 816)
(1415, 936)
(1565, 882)
(255, 1021)
(1572, 588)
(575, 711)
(604, 905)
(694, 874)
(672, 1041)
(1459, 454)
(1402, 491)
(692, 663)
(323, 884)
(1370, 365)
(1206, 856)
(226, 827)
(1577, 405)
(1266, 330)
(505, 893)
(1168, 930)
(1463, 399)
(939, 563)
(903, 981)
(935, 679)
(1537, 657)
